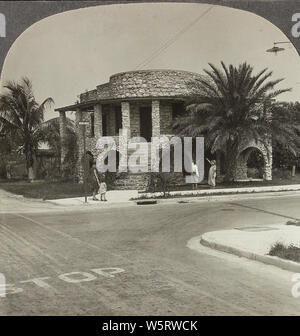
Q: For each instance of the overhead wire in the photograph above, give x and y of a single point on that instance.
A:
(171, 40)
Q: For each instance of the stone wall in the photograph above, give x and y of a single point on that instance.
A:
(103, 91)
(128, 181)
(135, 120)
(144, 83)
(166, 115)
(88, 95)
(162, 119)
(156, 118)
(125, 108)
(151, 83)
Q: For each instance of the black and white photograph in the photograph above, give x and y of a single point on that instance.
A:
(150, 160)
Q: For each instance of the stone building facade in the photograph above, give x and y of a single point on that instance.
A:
(143, 102)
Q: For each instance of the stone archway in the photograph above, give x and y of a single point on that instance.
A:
(254, 161)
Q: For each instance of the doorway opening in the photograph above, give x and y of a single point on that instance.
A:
(146, 122)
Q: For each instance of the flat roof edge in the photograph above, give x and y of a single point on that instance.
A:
(111, 100)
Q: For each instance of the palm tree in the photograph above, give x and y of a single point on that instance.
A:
(231, 105)
(21, 117)
(51, 135)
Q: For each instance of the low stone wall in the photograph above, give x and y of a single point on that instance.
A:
(129, 181)
(88, 95)
(144, 83)
(148, 83)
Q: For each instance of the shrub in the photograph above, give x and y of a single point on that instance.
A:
(3, 173)
(159, 182)
(290, 252)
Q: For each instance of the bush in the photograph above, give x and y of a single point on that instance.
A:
(3, 173)
(296, 223)
(159, 182)
(290, 252)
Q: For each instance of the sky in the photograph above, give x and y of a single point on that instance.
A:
(69, 53)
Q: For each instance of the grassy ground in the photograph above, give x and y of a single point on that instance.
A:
(285, 252)
(296, 223)
(44, 190)
(277, 181)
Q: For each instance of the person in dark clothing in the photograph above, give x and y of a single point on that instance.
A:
(91, 173)
(94, 181)
(90, 158)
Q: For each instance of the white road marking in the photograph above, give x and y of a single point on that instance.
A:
(108, 271)
(39, 282)
(67, 277)
(72, 277)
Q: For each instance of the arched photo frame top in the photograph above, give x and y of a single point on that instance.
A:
(19, 16)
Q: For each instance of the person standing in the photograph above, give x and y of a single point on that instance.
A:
(195, 175)
(90, 158)
(103, 190)
(212, 173)
(94, 181)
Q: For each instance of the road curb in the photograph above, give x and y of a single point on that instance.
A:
(222, 192)
(89, 204)
(23, 198)
(269, 260)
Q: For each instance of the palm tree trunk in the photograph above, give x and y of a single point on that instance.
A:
(30, 163)
(231, 158)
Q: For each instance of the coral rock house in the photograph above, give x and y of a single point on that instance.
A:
(143, 102)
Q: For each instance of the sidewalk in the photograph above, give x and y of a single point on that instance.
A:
(223, 191)
(112, 196)
(12, 203)
(130, 197)
(256, 242)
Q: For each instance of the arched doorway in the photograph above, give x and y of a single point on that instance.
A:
(253, 164)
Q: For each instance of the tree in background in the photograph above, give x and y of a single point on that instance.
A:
(21, 117)
(231, 105)
(285, 155)
(6, 147)
(51, 135)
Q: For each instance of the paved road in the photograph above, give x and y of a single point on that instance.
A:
(134, 260)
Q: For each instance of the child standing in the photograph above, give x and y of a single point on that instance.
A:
(102, 191)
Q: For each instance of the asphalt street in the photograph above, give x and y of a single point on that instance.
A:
(135, 261)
